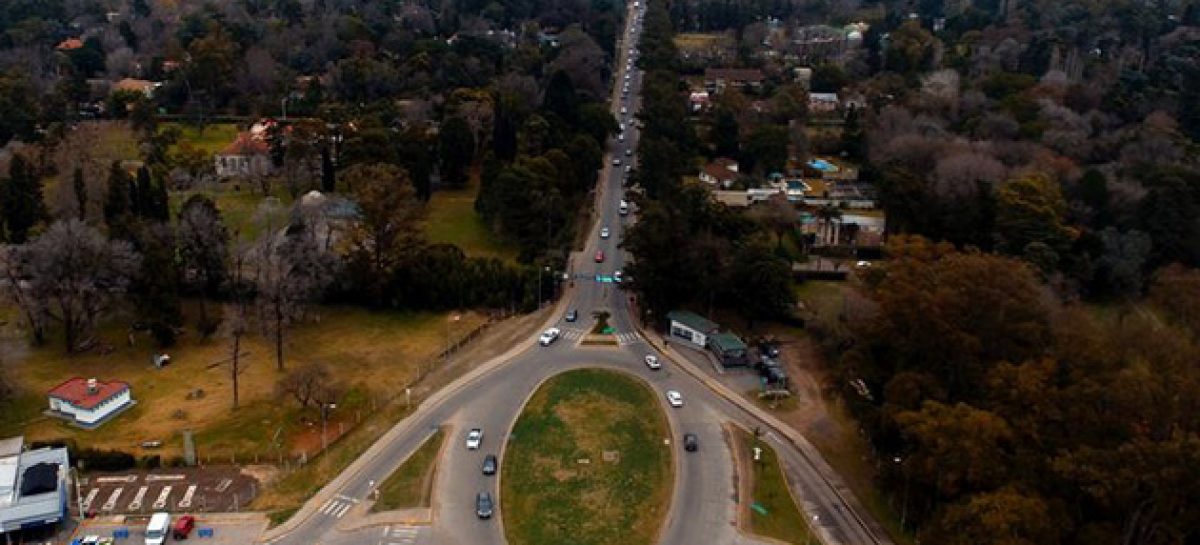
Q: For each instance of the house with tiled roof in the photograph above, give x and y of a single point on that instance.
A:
(88, 403)
(248, 155)
(721, 173)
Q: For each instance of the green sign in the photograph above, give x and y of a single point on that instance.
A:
(759, 508)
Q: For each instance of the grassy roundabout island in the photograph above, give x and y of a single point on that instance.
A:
(586, 463)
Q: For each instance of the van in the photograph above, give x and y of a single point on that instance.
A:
(156, 531)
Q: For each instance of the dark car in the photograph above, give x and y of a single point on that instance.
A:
(690, 442)
(572, 315)
(483, 505)
(489, 464)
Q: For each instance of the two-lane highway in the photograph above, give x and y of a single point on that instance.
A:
(703, 500)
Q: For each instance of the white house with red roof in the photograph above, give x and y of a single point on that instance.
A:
(89, 402)
(247, 155)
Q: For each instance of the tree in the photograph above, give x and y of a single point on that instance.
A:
(118, 202)
(23, 204)
(156, 289)
(203, 253)
(19, 107)
(291, 270)
(311, 384)
(725, 133)
(1006, 516)
(761, 283)
(80, 190)
(955, 449)
(72, 273)
(766, 150)
(389, 226)
(1030, 209)
(777, 215)
(457, 148)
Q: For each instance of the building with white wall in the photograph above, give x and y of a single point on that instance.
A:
(33, 485)
(88, 403)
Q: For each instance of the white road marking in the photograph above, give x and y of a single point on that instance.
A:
(347, 498)
(328, 507)
(117, 479)
(186, 502)
(111, 502)
(136, 504)
(156, 478)
(91, 496)
(161, 502)
(342, 509)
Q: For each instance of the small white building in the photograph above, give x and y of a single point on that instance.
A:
(248, 155)
(691, 327)
(88, 403)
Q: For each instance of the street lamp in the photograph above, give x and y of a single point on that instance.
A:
(545, 269)
(446, 353)
(812, 529)
(325, 408)
(904, 502)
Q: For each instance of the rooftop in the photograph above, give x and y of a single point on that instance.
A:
(32, 487)
(692, 320)
(75, 391)
(726, 342)
(246, 144)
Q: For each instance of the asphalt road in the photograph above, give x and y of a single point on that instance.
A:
(703, 507)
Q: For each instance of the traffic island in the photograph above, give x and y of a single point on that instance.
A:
(766, 506)
(601, 334)
(587, 464)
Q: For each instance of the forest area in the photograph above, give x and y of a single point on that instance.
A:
(1023, 359)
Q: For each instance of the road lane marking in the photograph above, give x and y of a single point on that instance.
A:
(91, 496)
(342, 509)
(136, 504)
(161, 502)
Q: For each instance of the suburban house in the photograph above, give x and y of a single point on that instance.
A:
(247, 155)
(722, 172)
(88, 403)
(136, 85)
(698, 101)
(729, 349)
(717, 79)
(33, 485)
(69, 44)
(822, 103)
(691, 327)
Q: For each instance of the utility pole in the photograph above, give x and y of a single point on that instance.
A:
(325, 408)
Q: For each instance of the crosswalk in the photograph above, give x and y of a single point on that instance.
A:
(338, 506)
(400, 535)
(623, 339)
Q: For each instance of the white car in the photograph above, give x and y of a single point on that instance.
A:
(549, 336)
(621, 126)
(674, 398)
(604, 232)
(652, 362)
(618, 276)
(474, 438)
(616, 162)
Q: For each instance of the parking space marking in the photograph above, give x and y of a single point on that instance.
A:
(137, 498)
(186, 502)
(156, 478)
(161, 502)
(117, 479)
(224, 484)
(111, 503)
(91, 497)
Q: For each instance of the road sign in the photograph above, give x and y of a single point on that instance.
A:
(759, 508)
(604, 279)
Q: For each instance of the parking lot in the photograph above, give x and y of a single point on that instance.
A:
(177, 490)
(211, 529)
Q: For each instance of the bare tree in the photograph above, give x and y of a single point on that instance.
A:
(33, 312)
(778, 215)
(311, 384)
(291, 269)
(70, 274)
(236, 321)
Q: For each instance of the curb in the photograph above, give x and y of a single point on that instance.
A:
(368, 519)
(310, 507)
(807, 451)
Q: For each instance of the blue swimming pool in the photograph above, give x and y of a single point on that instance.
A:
(822, 165)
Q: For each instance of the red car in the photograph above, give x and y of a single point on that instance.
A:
(183, 527)
(600, 256)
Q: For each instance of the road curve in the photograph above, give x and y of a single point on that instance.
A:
(492, 396)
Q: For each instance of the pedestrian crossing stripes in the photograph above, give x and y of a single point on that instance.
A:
(569, 333)
(400, 535)
(337, 507)
(628, 338)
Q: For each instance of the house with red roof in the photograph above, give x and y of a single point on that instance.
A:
(721, 173)
(248, 155)
(88, 403)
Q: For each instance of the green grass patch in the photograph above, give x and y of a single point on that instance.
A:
(411, 484)
(278, 516)
(586, 464)
(211, 139)
(822, 297)
(780, 517)
(451, 219)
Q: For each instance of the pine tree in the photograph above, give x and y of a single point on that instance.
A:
(23, 204)
(143, 200)
(80, 194)
(118, 202)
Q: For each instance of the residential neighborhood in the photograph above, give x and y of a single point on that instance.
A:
(639, 273)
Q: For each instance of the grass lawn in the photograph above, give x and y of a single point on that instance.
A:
(451, 219)
(822, 297)
(373, 353)
(780, 518)
(212, 139)
(238, 207)
(411, 484)
(586, 464)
